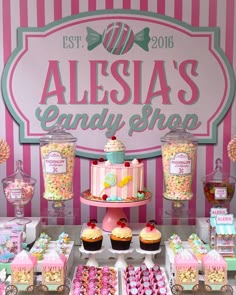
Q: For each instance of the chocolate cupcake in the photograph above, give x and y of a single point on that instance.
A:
(150, 237)
(121, 236)
(92, 237)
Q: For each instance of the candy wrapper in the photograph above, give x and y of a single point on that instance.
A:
(118, 38)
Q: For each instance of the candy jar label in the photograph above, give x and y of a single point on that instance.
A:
(55, 164)
(220, 193)
(16, 194)
(180, 164)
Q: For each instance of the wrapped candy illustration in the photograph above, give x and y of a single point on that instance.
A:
(118, 38)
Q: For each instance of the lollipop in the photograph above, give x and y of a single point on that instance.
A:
(232, 149)
(118, 38)
(4, 151)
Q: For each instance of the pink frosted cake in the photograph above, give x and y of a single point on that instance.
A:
(116, 179)
(186, 268)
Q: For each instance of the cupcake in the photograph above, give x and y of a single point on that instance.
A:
(65, 237)
(37, 253)
(115, 151)
(121, 236)
(61, 247)
(92, 237)
(150, 237)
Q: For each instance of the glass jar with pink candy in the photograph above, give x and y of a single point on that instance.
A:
(19, 189)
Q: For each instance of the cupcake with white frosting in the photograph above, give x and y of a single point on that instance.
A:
(115, 151)
(150, 237)
(121, 236)
(92, 237)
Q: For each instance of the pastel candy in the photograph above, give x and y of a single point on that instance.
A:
(110, 179)
(118, 38)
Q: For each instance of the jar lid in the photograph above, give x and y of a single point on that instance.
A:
(179, 135)
(57, 134)
(19, 175)
(218, 175)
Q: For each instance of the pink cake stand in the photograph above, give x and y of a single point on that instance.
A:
(115, 210)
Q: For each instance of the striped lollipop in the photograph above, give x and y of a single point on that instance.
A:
(4, 151)
(232, 149)
(118, 38)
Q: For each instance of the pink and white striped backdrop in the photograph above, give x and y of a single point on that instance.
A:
(38, 13)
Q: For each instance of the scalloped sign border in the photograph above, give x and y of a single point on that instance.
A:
(127, 73)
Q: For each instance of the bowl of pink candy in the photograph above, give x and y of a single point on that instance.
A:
(19, 189)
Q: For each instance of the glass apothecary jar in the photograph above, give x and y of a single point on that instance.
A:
(218, 186)
(179, 151)
(58, 157)
(19, 189)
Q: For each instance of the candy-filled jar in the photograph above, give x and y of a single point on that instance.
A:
(58, 157)
(218, 186)
(19, 189)
(179, 151)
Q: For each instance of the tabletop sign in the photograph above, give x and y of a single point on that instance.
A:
(127, 73)
(225, 219)
(218, 211)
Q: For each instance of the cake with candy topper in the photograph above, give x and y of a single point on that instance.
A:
(115, 179)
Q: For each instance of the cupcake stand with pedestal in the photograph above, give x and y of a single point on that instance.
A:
(92, 261)
(115, 210)
(148, 260)
(121, 262)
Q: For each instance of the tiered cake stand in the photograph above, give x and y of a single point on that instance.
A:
(115, 210)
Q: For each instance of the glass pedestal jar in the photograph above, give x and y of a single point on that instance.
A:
(218, 186)
(58, 156)
(18, 189)
(179, 150)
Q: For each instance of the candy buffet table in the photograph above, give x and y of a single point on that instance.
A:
(108, 258)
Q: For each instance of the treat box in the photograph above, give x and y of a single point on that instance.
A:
(169, 259)
(202, 228)
(69, 255)
(117, 286)
(123, 284)
(33, 228)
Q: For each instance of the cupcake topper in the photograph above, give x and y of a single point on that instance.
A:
(4, 151)
(92, 223)
(113, 137)
(151, 224)
(122, 222)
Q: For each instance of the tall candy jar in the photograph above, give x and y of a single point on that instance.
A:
(179, 151)
(58, 157)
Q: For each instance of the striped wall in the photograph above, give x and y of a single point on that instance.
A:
(37, 13)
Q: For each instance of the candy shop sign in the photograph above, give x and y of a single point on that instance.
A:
(126, 73)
